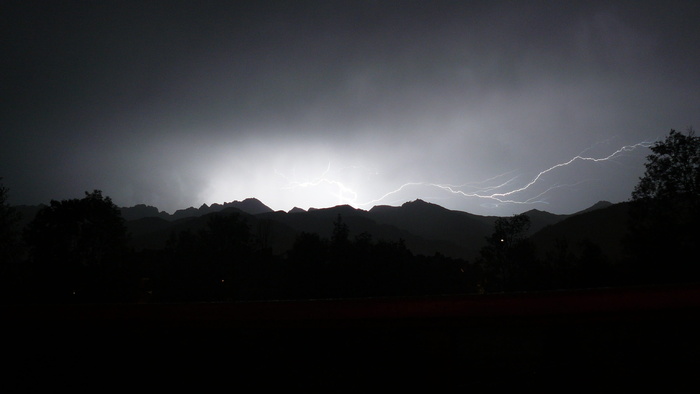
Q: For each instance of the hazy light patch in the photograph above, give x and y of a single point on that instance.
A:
(459, 165)
(284, 176)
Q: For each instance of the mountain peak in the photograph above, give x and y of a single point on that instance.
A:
(250, 205)
(602, 204)
(599, 205)
(418, 204)
(343, 208)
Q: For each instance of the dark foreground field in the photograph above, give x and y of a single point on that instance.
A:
(608, 340)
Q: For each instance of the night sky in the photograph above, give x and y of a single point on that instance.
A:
(314, 104)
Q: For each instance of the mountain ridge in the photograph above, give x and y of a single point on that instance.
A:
(426, 228)
(249, 205)
(254, 206)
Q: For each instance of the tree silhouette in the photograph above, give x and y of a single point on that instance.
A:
(672, 171)
(663, 226)
(307, 266)
(10, 277)
(206, 265)
(579, 265)
(507, 250)
(77, 248)
(227, 249)
(341, 233)
(8, 227)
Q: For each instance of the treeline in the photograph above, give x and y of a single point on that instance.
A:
(77, 251)
(224, 262)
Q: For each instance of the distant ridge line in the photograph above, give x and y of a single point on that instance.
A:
(254, 206)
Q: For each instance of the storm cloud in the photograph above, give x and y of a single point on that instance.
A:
(314, 104)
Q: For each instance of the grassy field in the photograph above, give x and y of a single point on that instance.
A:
(608, 340)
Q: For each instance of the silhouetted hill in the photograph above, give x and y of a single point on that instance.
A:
(143, 229)
(251, 206)
(142, 211)
(153, 233)
(605, 226)
(320, 221)
(425, 228)
(598, 205)
(461, 234)
(540, 219)
(465, 232)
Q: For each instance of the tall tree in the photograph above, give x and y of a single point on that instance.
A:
(10, 267)
(664, 225)
(672, 171)
(77, 247)
(507, 249)
(208, 264)
(8, 228)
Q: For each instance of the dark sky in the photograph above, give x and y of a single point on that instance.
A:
(313, 104)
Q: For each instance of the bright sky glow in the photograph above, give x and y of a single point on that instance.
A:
(488, 107)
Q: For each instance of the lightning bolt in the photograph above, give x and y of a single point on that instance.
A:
(626, 148)
(345, 194)
(503, 197)
(499, 189)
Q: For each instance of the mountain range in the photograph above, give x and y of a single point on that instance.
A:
(424, 227)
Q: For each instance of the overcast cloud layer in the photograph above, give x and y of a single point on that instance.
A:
(314, 104)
